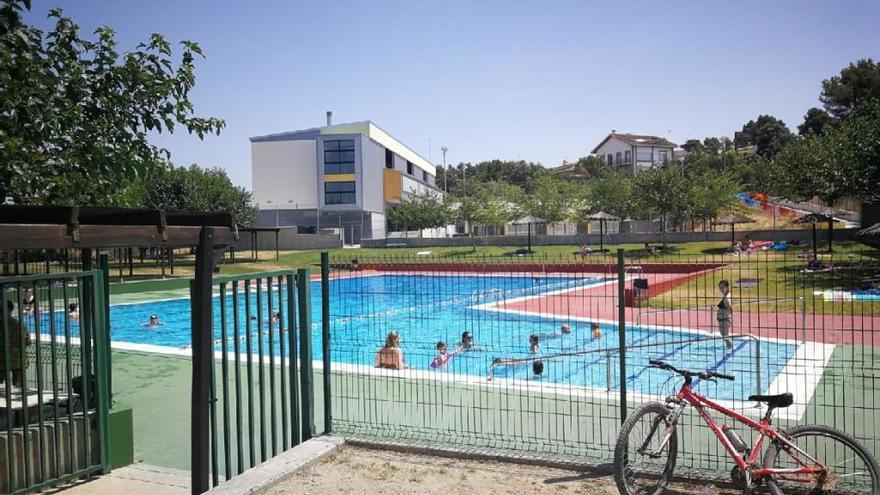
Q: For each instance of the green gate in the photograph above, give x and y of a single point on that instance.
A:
(54, 388)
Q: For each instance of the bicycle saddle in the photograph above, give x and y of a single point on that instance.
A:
(780, 400)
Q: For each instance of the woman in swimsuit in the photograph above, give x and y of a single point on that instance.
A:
(390, 356)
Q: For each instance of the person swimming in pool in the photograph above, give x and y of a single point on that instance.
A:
(467, 343)
(443, 356)
(153, 322)
(535, 348)
(390, 355)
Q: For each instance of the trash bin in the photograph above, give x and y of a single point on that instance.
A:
(640, 289)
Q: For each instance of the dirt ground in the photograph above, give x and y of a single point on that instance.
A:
(360, 471)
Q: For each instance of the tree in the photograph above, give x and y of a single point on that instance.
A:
(712, 145)
(662, 191)
(612, 193)
(552, 199)
(488, 204)
(815, 121)
(710, 193)
(419, 211)
(518, 173)
(692, 146)
(767, 133)
(843, 161)
(858, 83)
(75, 114)
(195, 189)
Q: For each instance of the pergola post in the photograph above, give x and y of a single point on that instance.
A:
(202, 362)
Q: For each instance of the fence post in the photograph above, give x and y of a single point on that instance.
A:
(621, 329)
(104, 265)
(202, 362)
(325, 339)
(102, 362)
(304, 300)
(803, 320)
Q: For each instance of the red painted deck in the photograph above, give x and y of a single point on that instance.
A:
(601, 303)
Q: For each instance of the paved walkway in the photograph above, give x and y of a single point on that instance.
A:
(137, 479)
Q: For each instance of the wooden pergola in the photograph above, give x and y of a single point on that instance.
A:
(88, 228)
(254, 235)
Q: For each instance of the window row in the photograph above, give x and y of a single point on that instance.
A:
(339, 156)
(642, 155)
(339, 193)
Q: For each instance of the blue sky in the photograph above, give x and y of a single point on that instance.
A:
(538, 81)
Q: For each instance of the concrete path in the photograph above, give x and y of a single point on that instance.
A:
(137, 479)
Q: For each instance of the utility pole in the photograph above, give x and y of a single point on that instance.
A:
(444, 149)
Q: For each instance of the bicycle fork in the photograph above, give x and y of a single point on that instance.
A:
(672, 421)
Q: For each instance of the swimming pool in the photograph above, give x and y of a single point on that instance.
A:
(425, 309)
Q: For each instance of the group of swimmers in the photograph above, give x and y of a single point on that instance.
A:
(390, 355)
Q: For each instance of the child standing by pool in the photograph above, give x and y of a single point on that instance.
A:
(724, 315)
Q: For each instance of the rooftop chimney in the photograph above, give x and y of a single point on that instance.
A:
(613, 131)
(329, 118)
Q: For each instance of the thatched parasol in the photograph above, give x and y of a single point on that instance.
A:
(733, 220)
(603, 217)
(814, 218)
(528, 220)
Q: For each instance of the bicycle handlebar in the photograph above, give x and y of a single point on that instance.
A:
(703, 375)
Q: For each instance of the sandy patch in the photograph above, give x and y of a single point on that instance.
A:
(351, 470)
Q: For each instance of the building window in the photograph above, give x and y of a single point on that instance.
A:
(662, 156)
(339, 156)
(389, 158)
(339, 193)
(424, 176)
(644, 155)
(609, 159)
(627, 156)
(619, 159)
(409, 167)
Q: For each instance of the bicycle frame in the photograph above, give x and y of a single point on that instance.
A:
(809, 470)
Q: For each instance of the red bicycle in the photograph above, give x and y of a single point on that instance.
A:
(802, 460)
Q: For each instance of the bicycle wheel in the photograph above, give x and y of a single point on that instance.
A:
(853, 470)
(644, 458)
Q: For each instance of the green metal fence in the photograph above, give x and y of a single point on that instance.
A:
(262, 401)
(797, 326)
(54, 395)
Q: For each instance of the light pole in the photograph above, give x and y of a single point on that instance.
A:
(444, 149)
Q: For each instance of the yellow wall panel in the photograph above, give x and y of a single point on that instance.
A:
(392, 185)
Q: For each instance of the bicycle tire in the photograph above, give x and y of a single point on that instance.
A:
(621, 460)
(830, 433)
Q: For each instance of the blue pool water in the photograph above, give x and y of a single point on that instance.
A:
(427, 308)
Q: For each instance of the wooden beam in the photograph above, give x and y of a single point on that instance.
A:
(21, 236)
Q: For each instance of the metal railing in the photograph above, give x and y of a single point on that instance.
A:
(802, 306)
(612, 351)
(54, 402)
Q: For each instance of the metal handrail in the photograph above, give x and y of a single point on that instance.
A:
(801, 299)
(608, 352)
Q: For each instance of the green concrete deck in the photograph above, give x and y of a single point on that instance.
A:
(455, 414)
